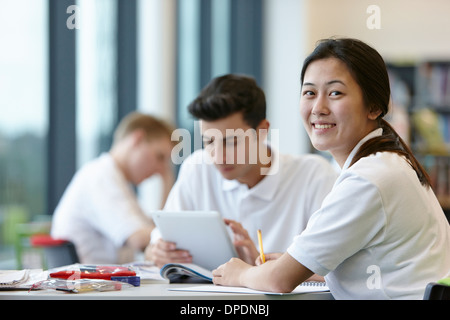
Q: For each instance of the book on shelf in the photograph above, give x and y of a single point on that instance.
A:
(431, 129)
(434, 84)
(438, 168)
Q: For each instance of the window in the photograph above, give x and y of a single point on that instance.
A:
(214, 38)
(24, 116)
(96, 108)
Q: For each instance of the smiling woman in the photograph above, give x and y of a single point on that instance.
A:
(345, 94)
(331, 108)
(358, 77)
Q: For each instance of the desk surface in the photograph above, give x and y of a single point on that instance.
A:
(154, 291)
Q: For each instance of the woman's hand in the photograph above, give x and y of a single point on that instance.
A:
(268, 257)
(231, 273)
(281, 273)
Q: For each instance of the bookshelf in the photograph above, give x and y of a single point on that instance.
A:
(421, 94)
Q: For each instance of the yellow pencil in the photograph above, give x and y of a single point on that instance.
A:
(261, 251)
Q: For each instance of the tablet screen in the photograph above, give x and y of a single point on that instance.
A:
(202, 233)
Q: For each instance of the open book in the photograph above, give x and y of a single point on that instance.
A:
(185, 272)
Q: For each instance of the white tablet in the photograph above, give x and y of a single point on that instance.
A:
(203, 233)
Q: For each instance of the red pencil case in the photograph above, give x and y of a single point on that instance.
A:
(97, 272)
(90, 275)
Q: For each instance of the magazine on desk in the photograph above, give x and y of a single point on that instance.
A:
(185, 272)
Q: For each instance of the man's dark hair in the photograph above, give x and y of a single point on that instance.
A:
(229, 94)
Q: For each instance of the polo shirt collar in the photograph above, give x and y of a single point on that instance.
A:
(375, 133)
(266, 188)
(228, 185)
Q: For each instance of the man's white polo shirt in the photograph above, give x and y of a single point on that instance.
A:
(98, 212)
(280, 204)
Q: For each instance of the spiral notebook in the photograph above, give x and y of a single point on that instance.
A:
(305, 287)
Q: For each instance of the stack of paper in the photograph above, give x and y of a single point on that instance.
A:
(21, 279)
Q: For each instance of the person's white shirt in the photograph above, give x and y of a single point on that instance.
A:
(280, 204)
(98, 212)
(379, 234)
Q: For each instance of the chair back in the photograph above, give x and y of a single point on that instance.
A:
(57, 252)
(437, 291)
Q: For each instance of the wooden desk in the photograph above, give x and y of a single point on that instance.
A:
(156, 291)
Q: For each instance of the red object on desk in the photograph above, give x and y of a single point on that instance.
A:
(75, 274)
(96, 273)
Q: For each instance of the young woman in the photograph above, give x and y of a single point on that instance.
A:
(380, 233)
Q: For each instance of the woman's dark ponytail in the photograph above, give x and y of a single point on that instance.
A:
(390, 141)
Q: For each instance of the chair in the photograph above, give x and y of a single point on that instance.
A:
(27, 256)
(57, 252)
(437, 291)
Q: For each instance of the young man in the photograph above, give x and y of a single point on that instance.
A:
(243, 178)
(99, 211)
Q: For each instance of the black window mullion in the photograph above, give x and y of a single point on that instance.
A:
(126, 57)
(246, 38)
(61, 148)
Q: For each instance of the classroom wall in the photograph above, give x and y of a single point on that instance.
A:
(409, 29)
